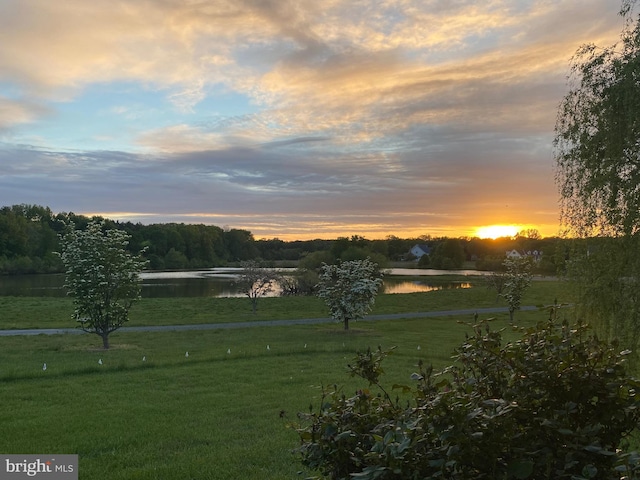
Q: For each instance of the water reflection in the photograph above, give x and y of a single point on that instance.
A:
(219, 282)
(190, 287)
(418, 286)
(32, 285)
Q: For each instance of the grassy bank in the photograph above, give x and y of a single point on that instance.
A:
(45, 312)
(221, 412)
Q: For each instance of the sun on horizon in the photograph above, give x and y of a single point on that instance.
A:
(497, 231)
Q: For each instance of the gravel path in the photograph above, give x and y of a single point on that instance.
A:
(263, 323)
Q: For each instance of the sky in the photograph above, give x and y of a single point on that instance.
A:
(292, 119)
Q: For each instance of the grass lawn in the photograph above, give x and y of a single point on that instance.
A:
(45, 312)
(213, 414)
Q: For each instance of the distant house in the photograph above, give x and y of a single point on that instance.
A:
(419, 250)
(536, 255)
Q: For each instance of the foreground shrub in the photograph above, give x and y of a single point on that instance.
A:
(558, 403)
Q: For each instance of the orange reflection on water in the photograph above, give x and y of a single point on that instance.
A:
(416, 287)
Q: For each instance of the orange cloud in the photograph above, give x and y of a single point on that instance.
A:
(444, 110)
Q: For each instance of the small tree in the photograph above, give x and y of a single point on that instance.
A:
(518, 279)
(349, 289)
(102, 276)
(256, 281)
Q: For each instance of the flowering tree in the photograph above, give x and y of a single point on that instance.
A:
(102, 276)
(517, 280)
(349, 289)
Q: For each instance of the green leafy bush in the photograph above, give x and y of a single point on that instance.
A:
(557, 403)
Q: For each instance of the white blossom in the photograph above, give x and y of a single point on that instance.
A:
(102, 277)
(349, 289)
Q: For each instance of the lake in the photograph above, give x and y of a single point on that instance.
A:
(221, 282)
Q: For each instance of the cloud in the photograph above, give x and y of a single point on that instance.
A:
(337, 62)
(401, 112)
(274, 180)
(54, 49)
(19, 111)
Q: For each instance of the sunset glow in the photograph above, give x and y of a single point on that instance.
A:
(293, 120)
(497, 231)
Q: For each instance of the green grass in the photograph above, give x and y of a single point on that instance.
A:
(43, 312)
(213, 415)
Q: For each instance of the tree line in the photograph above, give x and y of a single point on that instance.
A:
(30, 240)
